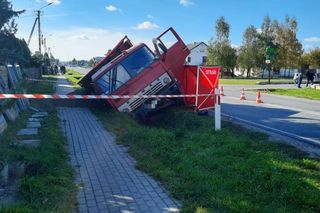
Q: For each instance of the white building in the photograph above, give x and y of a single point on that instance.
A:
(198, 55)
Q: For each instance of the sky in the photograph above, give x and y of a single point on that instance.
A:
(83, 29)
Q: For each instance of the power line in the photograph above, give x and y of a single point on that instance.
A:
(38, 20)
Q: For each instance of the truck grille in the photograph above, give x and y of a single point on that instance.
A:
(151, 89)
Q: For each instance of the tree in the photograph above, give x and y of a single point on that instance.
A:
(91, 62)
(251, 55)
(312, 58)
(220, 51)
(267, 35)
(7, 23)
(11, 48)
(290, 49)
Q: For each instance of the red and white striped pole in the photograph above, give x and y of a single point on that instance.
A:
(217, 110)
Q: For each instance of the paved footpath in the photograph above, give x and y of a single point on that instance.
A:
(107, 174)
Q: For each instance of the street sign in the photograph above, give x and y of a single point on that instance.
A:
(270, 54)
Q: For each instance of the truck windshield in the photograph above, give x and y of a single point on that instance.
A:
(125, 70)
(137, 61)
(113, 79)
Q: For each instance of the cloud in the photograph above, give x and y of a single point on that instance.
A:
(112, 8)
(83, 37)
(55, 2)
(186, 3)
(83, 43)
(312, 40)
(147, 25)
(149, 16)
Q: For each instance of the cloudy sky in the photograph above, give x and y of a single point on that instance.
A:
(83, 29)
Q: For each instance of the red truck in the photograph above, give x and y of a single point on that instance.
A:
(136, 70)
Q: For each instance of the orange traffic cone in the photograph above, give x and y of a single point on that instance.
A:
(258, 99)
(242, 97)
(222, 91)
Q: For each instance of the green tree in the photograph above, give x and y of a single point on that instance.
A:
(220, 51)
(11, 48)
(91, 62)
(251, 55)
(290, 49)
(7, 23)
(312, 58)
(268, 32)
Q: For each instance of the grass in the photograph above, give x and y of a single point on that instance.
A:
(42, 87)
(47, 185)
(74, 77)
(251, 81)
(228, 171)
(307, 93)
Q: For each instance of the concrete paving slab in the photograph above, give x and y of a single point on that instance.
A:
(40, 115)
(33, 124)
(30, 143)
(28, 132)
(35, 119)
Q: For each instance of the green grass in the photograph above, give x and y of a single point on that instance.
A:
(228, 171)
(74, 77)
(42, 87)
(251, 81)
(308, 93)
(48, 183)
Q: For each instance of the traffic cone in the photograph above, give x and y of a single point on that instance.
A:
(242, 96)
(222, 91)
(258, 99)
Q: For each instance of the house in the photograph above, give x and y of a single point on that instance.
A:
(198, 55)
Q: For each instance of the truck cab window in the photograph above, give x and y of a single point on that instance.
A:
(122, 76)
(138, 61)
(113, 79)
(168, 40)
(104, 83)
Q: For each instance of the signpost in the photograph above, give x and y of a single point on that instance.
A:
(270, 56)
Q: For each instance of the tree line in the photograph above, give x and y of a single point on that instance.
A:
(251, 56)
(13, 49)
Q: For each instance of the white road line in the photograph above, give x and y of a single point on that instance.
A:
(309, 140)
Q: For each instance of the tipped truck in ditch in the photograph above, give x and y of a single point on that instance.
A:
(137, 70)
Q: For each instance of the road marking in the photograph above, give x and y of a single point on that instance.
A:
(291, 135)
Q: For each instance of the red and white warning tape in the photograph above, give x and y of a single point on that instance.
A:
(43, 96)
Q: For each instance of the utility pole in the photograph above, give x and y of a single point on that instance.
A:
(39, 29)
(40, 36)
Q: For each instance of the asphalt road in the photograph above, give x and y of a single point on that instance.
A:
(292, 117)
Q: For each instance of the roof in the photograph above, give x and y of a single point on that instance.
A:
(195, 44)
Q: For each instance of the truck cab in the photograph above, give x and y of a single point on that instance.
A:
(136, 70)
